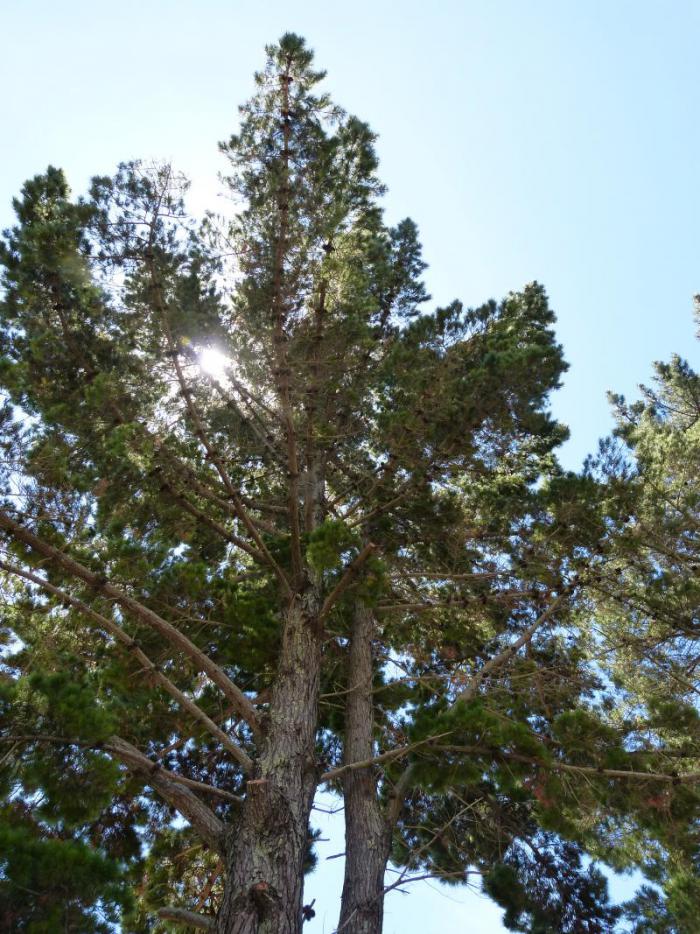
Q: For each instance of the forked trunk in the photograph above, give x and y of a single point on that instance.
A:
(268, 844)
(367, 834)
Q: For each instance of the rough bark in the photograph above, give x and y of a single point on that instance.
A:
(367, 834)
(267, 846)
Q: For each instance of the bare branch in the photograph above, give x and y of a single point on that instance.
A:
(176, 793)
(175, 789)
(221, 530)
(190, 918)
(686, 778)
(384, 757)
(106, 747)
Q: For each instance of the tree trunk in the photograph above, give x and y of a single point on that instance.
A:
(267, 846)
(367, 834)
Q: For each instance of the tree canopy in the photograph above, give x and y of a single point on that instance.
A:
(271, 523)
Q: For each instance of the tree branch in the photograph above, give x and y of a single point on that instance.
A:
(221, 530)
(177, 790)
(674, 779)
(176, 793)
(148, 667)
(472, 688)
(199, 431)
(282, 363)
(383, 757)
(190, 918)
(145, 615)
(348, 576)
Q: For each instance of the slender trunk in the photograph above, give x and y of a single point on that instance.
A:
(268, 844)
(367, 834)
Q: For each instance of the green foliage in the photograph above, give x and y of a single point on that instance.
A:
(328, 543)
(548, 891)
(50, 882)
(346, 413)
(72, 705)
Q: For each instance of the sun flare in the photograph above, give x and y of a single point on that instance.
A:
(214, 363)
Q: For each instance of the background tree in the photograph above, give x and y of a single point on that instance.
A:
(584, 739)
(647, 615)
(268, 526)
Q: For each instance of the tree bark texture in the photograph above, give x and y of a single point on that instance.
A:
(367, 834)
(267, 846)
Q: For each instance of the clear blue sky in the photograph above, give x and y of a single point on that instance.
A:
(542, 139)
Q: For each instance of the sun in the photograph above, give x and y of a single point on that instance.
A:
(214, 362)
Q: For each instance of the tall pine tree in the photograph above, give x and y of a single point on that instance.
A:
(270, 525)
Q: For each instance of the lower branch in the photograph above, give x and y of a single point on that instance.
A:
(687, 778)
(175, 789)
(144, 614)
(190, 918)
(147, 666)
(203, 820)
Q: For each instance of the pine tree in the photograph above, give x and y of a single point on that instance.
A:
(344, 557)
(589, 742)
(648, 608)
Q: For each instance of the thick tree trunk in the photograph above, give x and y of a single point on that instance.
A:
(367, 834)
(267, 847)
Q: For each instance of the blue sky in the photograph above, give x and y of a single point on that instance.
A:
(555, 141)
